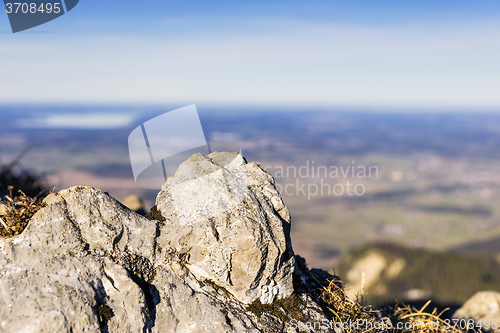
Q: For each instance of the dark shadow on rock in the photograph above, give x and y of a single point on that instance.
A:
(288, 239)
(105, 314)
(142, 272)
(152, 300)
(102, 310)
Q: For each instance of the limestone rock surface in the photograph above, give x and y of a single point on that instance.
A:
(86, 263)
(64, 268)
(230, 224)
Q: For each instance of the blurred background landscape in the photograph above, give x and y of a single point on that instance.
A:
(407, 89)
(436, 185)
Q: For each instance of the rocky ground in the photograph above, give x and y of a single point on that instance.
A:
(219, 243)
(213, 255)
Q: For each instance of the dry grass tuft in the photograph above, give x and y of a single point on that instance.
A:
(345, 311)
(16, 220)
(403, 318)
(428, 322)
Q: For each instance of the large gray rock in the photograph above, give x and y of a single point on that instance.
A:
(230, 224)
(64, 268)
(86, 263)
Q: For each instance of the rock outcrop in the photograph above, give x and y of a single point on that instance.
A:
(221, 241)
(230, 224)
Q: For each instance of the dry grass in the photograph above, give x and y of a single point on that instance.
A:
(342, 310)
(401, 319)
(16, 220)
(427, 322)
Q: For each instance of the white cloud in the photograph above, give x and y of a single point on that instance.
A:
(282, 62)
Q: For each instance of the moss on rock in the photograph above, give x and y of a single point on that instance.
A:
(155, 215)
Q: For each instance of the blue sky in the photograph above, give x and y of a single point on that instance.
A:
(373, 54)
